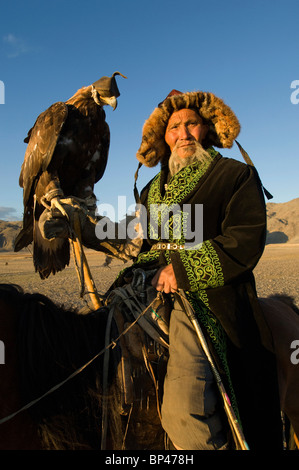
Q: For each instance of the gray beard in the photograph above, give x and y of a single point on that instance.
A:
(176, 163)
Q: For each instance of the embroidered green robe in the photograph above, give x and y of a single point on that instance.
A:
(217, 274)
(219, 271)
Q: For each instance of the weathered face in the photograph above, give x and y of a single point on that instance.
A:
(185, 127)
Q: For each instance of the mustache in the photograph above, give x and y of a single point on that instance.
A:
(183, 143)
(176, 163)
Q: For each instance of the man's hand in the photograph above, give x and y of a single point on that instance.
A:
(164, 280)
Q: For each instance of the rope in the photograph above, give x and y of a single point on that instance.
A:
(112, 344)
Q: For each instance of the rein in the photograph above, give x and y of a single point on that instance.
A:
(112, 345)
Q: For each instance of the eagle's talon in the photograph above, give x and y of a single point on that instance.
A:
(55, 204)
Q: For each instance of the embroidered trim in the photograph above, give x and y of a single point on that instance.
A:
(179, 186)
(165, 213)
(147, 256)
(203, 267)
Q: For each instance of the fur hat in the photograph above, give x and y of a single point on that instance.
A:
(224, 126)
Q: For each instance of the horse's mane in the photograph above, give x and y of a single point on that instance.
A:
(53, 342)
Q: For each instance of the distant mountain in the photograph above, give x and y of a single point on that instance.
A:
(282, 225)
(283, 222)
(8, 232)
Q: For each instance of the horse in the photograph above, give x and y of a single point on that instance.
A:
(70, 382)
(45, 344)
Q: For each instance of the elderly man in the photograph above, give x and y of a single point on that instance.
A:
(216, 273)
(210, 254)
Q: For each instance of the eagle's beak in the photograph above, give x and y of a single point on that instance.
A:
(111, 101)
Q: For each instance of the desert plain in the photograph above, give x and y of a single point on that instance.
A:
(276, 273)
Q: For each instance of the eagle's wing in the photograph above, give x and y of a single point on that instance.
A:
(42, 140)
(101, 156)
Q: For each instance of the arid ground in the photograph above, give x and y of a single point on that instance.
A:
(277, 272)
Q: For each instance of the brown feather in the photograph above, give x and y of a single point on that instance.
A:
(67, 151)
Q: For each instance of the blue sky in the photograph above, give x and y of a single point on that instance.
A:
(246, 52)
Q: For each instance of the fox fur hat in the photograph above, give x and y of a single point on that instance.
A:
(224, 126)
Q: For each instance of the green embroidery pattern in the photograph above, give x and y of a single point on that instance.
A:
(147, 257)
(179, 186)
(166, 218)
(203, 267)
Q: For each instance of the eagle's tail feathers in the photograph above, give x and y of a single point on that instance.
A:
(25, 236)
(23, 239)
(49, 257)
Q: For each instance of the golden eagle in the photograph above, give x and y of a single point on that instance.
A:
(66, 155)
